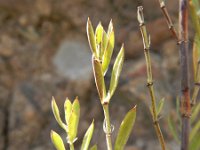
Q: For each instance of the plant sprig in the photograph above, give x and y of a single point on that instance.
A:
(102, 45)
(154, 109)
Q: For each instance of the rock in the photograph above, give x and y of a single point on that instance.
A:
(73, 60)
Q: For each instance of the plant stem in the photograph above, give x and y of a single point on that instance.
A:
(185, 90)
(71, 146)
(108, 126)
(168, 19)
(146, 43)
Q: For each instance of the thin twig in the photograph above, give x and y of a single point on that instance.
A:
(168, 20)
(185, 90)
(146, 43)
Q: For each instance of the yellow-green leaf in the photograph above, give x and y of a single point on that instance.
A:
(196, 55)
(195, 113)
(57, 141)
(68, 108)
(125, 129)
(87, 137)
(160, 106)
(73, 122)
(99, 78)
(91, 37)
(195, 130)
(57, 113)
(195, 18)
(116, 71)
(195, 143)
(110, 28)
(108, 51)
(99, 33)
(103, 44)
(94, 147)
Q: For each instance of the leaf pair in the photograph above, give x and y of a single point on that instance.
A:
(159, 107)
(72, 114)
(102, 44)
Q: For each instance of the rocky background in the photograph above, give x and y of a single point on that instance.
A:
(44, 52)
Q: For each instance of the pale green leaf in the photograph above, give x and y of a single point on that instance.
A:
(108, 51)
(91, 37)
(87, 137)
(68, 108)
(57, 141)
(195, 18)
(99, 78)
(73, 121)
(116, 71)
(103, 44)
(160, 106)
(94, 147)
(125, 129)
(99, 33)
(57, 113)
(110, 28)
(196, 56)
(173, 128)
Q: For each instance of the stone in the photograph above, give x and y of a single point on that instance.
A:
(73, 60)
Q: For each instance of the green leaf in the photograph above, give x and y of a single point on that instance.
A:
(57, 114)
(195, 143)
(172, 128)
(196, 56)
(68, 108)
(103, 44)
(57, 141)
(99, 78)
(91, 37)
(94, 147)
(195, 130)
(73, 122)
(116, 71)
(87, 137)
(108, 51)
(195, 112)
(125, 129)
(195, 18)
(99, 33)
(160, 106)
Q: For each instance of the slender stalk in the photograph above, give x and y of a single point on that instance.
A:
(168, 19)
(185, 90)
(146, 42)
(71, 146)
(108, 128)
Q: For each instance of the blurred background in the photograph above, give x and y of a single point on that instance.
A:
(44, 52)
